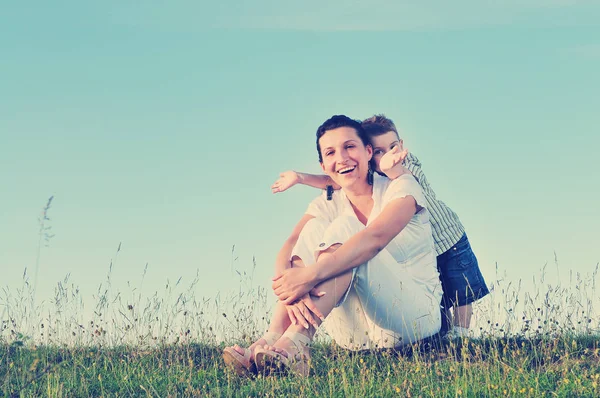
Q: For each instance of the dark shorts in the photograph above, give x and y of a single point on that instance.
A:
(461, 278)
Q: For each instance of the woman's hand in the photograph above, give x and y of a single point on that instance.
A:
(280, 268)
(303, 312)
(292, 284)
(286, 180)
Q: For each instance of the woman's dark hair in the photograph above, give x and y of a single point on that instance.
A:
(338, 121)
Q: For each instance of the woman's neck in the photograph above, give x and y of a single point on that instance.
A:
(359, 193)
(361, 199)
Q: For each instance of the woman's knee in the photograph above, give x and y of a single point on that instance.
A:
(344, 226)
(328, 251)
(309, 238)
(338, 232)
(297, 262)
(314, 229)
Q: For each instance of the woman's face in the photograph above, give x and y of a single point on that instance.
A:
(382, 144)
(345, 157)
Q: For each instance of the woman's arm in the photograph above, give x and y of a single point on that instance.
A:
(282, 261)
(367, 243)
(288, 179)
(301, 312)
(359, 249)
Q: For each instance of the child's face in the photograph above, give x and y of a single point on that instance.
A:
(382, 144)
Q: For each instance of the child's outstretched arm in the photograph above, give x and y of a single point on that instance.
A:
(391, 163)
(288, 179)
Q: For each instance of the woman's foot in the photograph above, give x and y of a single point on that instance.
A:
(291, 352)
(241, 360)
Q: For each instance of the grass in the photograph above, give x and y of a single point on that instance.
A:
(170, 344)
(530, 343)
(482, 367)
(541, 343)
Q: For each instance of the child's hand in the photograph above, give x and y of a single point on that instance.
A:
(392, 158)
(286, 180)
(391, 163)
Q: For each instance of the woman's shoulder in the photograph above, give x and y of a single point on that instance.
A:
(404, 185)
(405, 181)
(328, 207)
(380, 183)
(384, 183)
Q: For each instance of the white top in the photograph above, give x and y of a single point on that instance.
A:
(413, 247)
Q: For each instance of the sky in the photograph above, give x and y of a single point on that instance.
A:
(159, 127)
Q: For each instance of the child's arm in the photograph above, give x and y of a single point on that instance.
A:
(288, 179)
(391, 163)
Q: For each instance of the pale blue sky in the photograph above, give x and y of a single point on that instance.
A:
(163, 125)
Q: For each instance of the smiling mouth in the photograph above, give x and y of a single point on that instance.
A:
(346, 170)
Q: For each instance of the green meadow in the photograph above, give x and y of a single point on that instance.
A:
(565, 366)
(542, 343)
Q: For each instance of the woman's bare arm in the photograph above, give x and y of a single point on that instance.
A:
(282, 261)
(367, 243)
(359, 249)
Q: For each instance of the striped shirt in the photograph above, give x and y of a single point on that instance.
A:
(445, 225)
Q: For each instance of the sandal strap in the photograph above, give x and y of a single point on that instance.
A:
(271, 337)
(298, 339)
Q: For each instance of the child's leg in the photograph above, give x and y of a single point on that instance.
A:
(462, 315)
(462, 281)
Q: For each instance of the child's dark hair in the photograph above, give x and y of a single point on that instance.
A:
(378, 125)
(338, 121)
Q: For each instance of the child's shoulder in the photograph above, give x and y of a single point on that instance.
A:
(412, 159)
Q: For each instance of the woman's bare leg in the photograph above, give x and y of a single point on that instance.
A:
(279, 323)
(334, 289)
(280, 320)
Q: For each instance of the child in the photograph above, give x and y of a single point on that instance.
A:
(461, 278)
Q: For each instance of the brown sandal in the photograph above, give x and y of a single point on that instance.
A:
(243, 365)
(296, 362)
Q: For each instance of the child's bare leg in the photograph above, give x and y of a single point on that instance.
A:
(462, 316)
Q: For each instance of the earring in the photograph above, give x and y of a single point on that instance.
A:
(370, 176)
(329, 192)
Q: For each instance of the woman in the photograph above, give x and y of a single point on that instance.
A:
(461, 278)
(366, 256)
